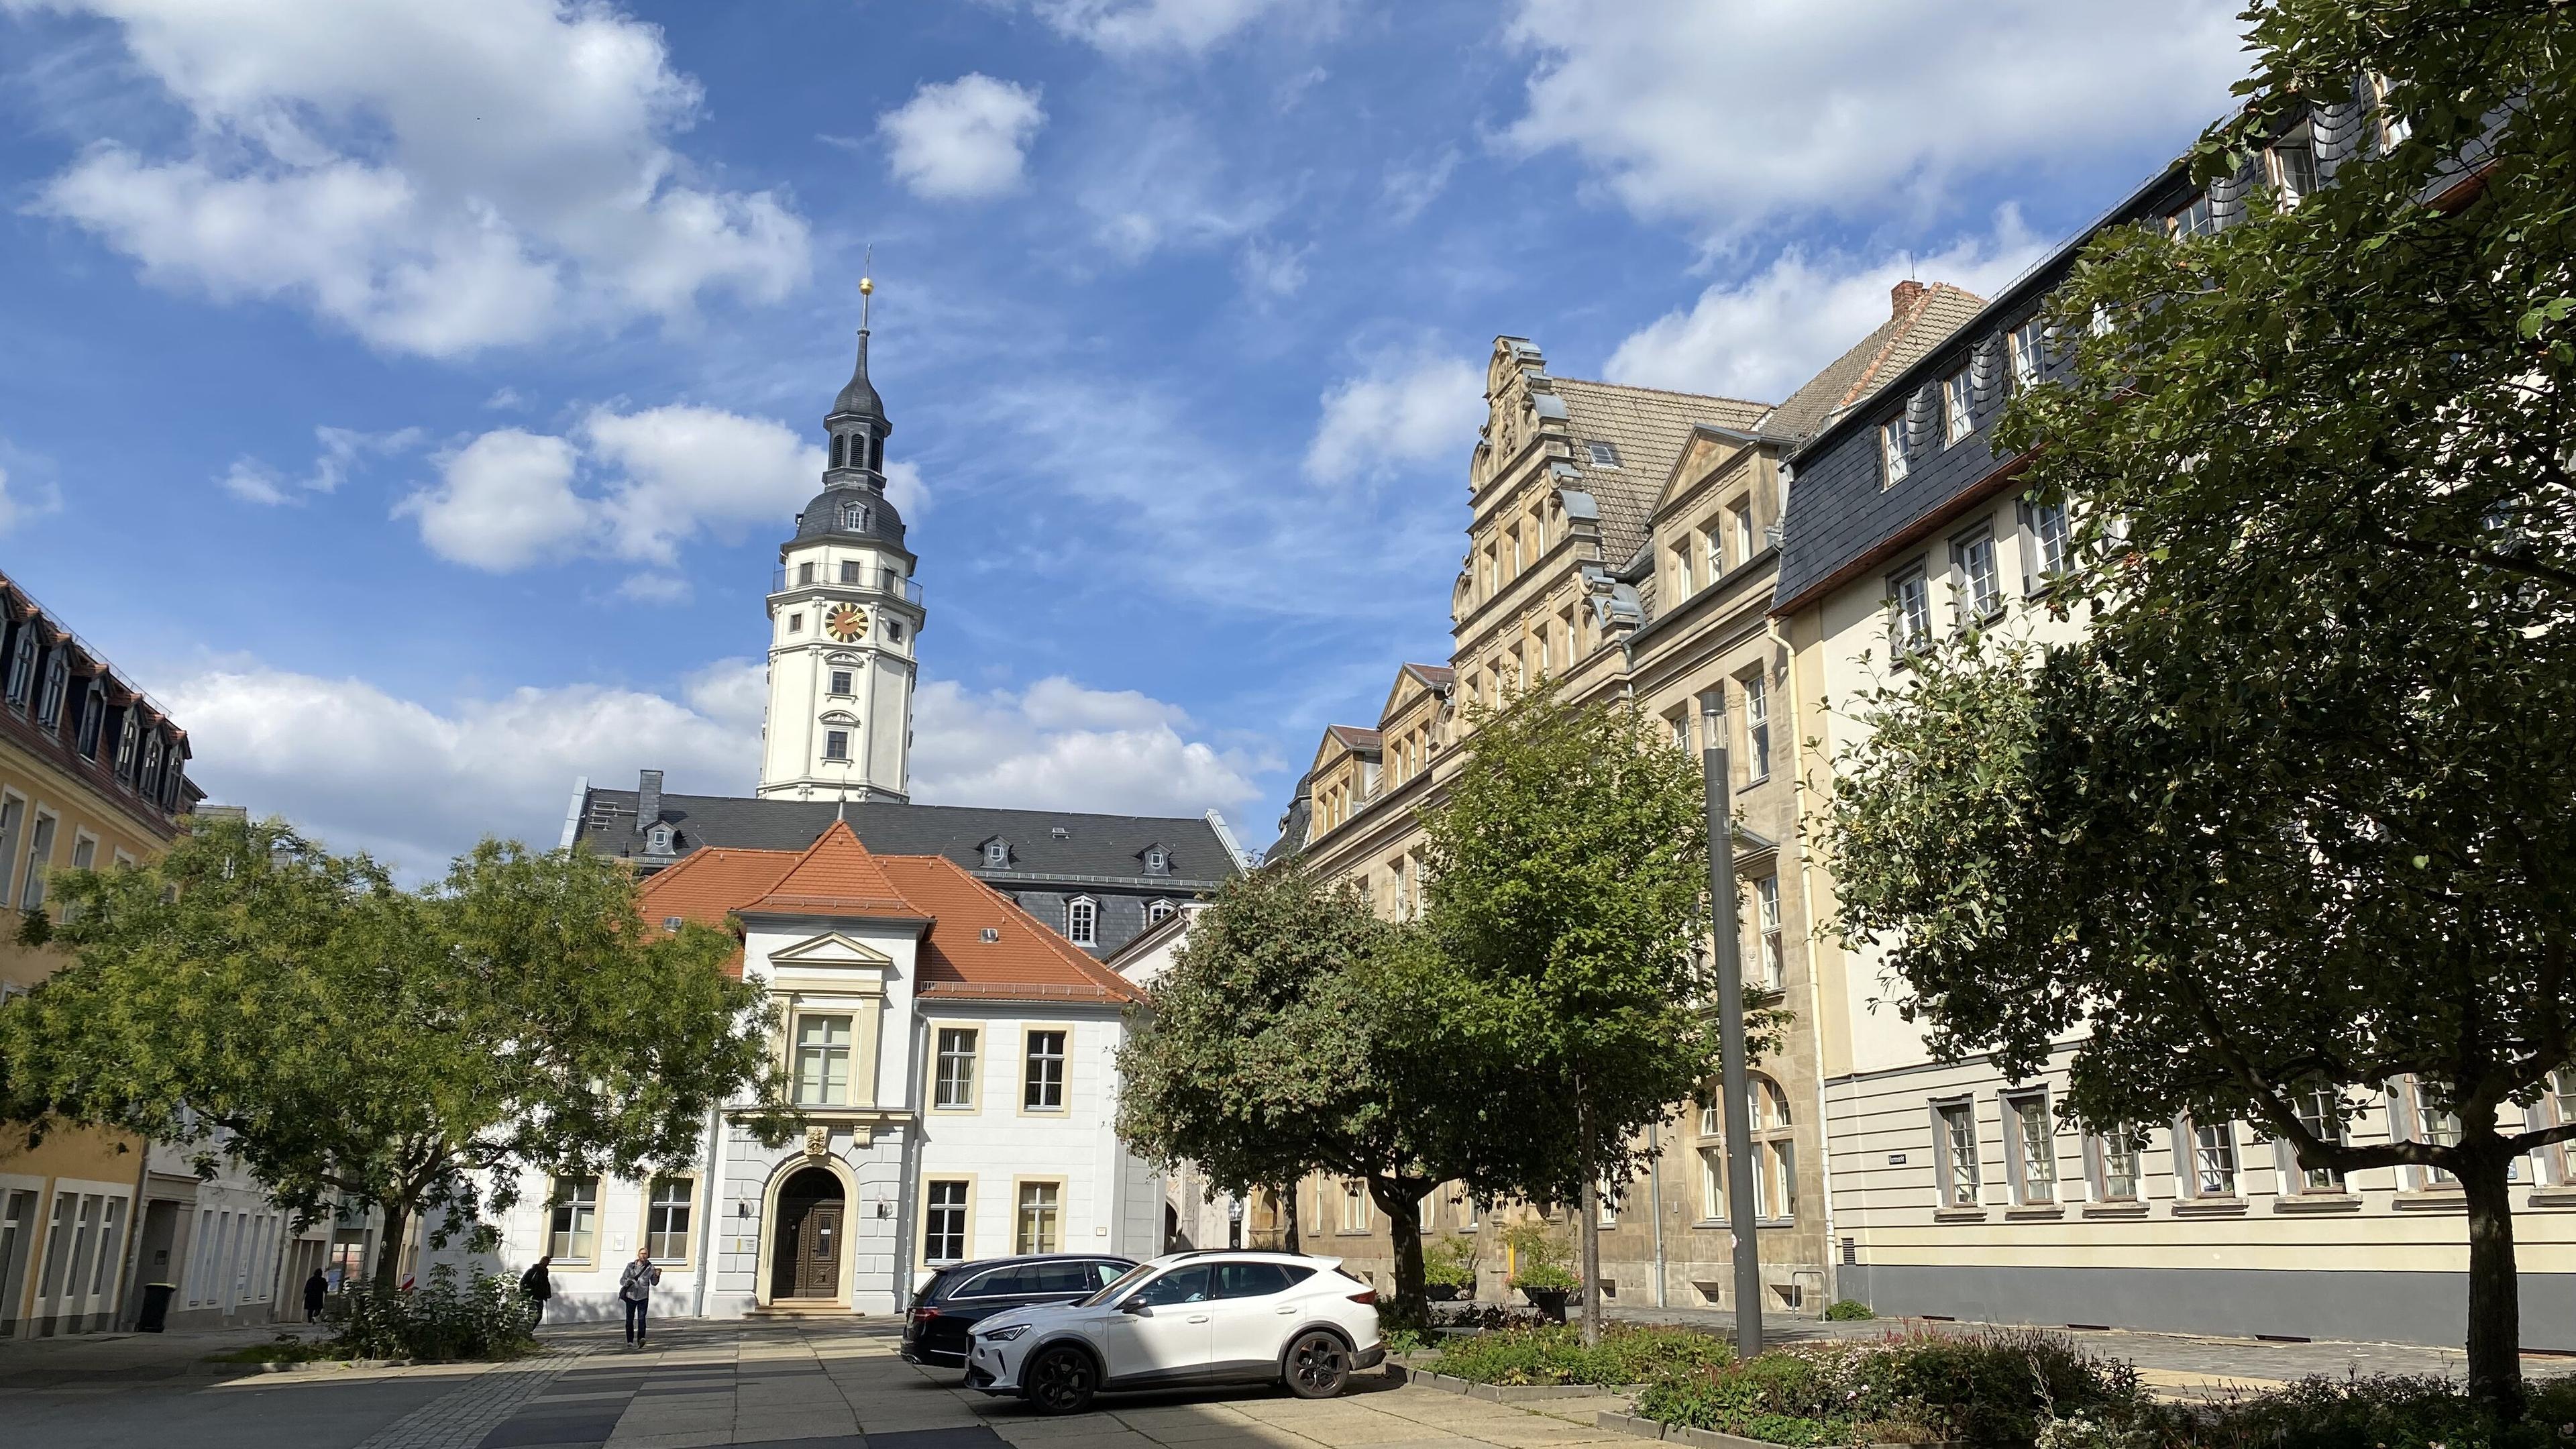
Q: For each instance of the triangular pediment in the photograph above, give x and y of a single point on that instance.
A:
(832, 948)
(1710, 448)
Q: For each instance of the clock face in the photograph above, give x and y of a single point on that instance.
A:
(848, 623)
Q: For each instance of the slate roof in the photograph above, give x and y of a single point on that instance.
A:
(1913, 328)
(821, 518)
(1649, 427)
(1093, 846)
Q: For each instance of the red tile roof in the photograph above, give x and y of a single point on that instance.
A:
(837, 876)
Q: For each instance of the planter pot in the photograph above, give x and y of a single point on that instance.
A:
(1440, 1292)
(1550, 1301)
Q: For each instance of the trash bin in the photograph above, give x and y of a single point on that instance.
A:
(156, 1307)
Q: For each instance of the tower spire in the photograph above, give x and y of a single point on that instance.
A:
(867, 290)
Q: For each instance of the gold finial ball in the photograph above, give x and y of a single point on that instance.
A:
(866, 286)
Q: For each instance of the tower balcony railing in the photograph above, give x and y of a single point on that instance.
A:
(845, 575)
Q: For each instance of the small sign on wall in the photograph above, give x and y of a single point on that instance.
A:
(1896, 1159)
(617, 1242)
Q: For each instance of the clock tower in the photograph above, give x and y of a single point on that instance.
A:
(843, 614)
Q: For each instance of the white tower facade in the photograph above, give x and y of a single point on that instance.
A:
(844, 612)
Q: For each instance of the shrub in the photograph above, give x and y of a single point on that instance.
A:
(1994, 1390)
(1450, 1262)
(1538, 1258)
(1485, 1316)
(487, 1319)
(2375, 1412)
(1849, 1310)
(1552, 1354)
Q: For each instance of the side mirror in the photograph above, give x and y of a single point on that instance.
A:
(1137, 1306)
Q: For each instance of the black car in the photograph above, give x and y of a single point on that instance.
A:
(959, 1295)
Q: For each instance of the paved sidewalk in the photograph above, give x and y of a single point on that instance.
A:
(110, 1359)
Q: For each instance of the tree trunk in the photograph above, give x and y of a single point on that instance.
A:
(1288, 1206)
(389, 1248)
(1403, 1209)
(2495, 1290)
(1588, 1231)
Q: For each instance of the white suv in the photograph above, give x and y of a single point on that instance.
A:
(1187, 1318)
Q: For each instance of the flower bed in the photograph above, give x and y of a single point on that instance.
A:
(2378, 1412)
(1557, 1355)
(1992, 1390)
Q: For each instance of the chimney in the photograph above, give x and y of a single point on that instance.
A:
(1904, 295)
(648, 800)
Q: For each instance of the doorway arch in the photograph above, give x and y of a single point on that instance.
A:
(809, 1226)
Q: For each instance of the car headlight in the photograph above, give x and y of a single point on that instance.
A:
(1003, 1335)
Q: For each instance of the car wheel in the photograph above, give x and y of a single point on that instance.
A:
(1319, 1365)
(1060, 1381)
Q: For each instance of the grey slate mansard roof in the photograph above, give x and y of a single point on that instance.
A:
(1095, 848)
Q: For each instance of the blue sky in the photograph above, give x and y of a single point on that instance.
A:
(413, 397)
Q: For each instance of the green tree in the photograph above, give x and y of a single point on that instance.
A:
(1284, 1041)
(2286, 825)
(250, 993)
(1567, 875)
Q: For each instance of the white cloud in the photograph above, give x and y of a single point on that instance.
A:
(438, 179)
(1409, 189)
(1273, 271)
(1164, 185)
(502, 502)
(631, 486)
(342, 450)
(1746, 113)
(1405, 411)
(1761, 337)
(20, 500)
(1057, 745)
(1136, 27)
(963, 140)
(418, 783)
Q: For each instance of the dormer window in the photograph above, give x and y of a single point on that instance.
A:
(997, 854)
(58, 678)
(992, 934)
(671, 924)
(1603, 455)
(1060, 833)
(1158, 861)
(854, 517)
(22, 663)
(658, 840)
(1159, 911)
(1082, 921)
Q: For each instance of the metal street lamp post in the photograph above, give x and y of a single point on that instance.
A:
(1733, 1086)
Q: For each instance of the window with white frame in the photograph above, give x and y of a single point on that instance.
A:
(943, 1223)
(574, 1222)
(1891, 452)
(2048, 528)
(953, 1086)
(1958, 417)
(666, 1218)
(1757, 727)
(2318, 1109)
(1040, 1224)
(2029, 346)
(1954, 1154)
(2195, 217)
(1158, 911)
(836, 744)
(1775, 1152)
(997, 854)
(822, 1066)
(1716, 543)
(2213, 1158)
(40, 864)
(2034, 1156)
(1687, 583)
(1909, 612)
(13, 816)
(1082, 921)
(2294, 165)
(1355, 1206)
(1740, 518)
(1042, 1084)
(1979, 595)
(1605, 1204)
(2115, 1164)
(2435, 1126)
(1680, 721)
(1766, 920)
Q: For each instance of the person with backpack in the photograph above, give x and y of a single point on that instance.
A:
(537, 1285)
(635, 1289)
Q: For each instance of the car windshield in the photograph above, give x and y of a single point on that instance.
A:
(1118, 1285)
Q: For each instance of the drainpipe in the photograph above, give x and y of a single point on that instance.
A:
(714, 1207)
(1655, 1196)
(1815, 987)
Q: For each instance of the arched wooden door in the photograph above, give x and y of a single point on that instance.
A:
(805, 1253)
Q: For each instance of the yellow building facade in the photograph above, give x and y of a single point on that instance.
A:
(92, 775)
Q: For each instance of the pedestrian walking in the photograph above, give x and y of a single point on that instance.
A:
(635, 1289)
(537, 1285)
(316, 1288)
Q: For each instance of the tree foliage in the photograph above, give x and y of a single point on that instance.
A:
(345, 1039)
(1282, 1042)
(2288, 816)
(1567, 875)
